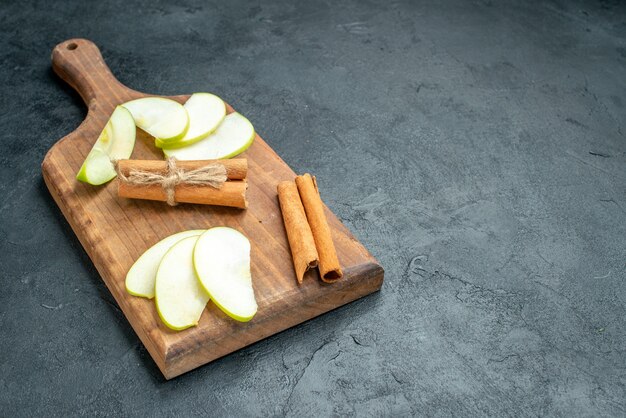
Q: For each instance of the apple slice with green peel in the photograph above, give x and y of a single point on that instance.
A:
(160, 117)
(179, 297)
(221, 260)
(116, 141)
(232, 137)
(142, 275)
(206, 111)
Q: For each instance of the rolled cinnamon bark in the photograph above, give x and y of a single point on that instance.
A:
(236, 169)
(231, 193)
(299, 233)
(330, 269)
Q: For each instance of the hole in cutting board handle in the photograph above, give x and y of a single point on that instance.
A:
(72, 46)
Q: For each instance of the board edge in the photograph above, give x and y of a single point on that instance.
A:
(372, 272)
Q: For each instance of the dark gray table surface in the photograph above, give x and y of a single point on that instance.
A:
(476, 148)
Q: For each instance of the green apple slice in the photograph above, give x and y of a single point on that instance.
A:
(232, 137)
(206, 111)
(222, 263)
(142, 275)
(116, 141)
(160, 117)
(179, 297)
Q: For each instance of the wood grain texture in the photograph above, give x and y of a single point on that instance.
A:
(116, 231)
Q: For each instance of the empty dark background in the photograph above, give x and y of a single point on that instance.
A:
(477, 148)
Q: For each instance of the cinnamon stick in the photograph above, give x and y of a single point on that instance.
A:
(232, 193)
(330, 270)
(299, 233)
(236, 169)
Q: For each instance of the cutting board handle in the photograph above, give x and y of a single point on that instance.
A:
(80, 63)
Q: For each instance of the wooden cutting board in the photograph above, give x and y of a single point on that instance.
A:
(115, 231)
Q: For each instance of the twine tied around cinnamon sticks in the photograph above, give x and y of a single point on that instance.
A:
(189, 188)
(213, 175)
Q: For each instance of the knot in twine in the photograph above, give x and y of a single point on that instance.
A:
(213, 175)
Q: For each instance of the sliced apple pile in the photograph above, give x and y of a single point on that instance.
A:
(197, 130)
(116, 141)
(183, 271)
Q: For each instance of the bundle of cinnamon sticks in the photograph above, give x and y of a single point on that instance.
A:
(206, 182)
(307, 229)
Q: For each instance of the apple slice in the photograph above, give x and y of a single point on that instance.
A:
(142, 275)
(179, 297)
(222, 263)
(160, 117)
(206, 111)
(116, 141)
(232, 137)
